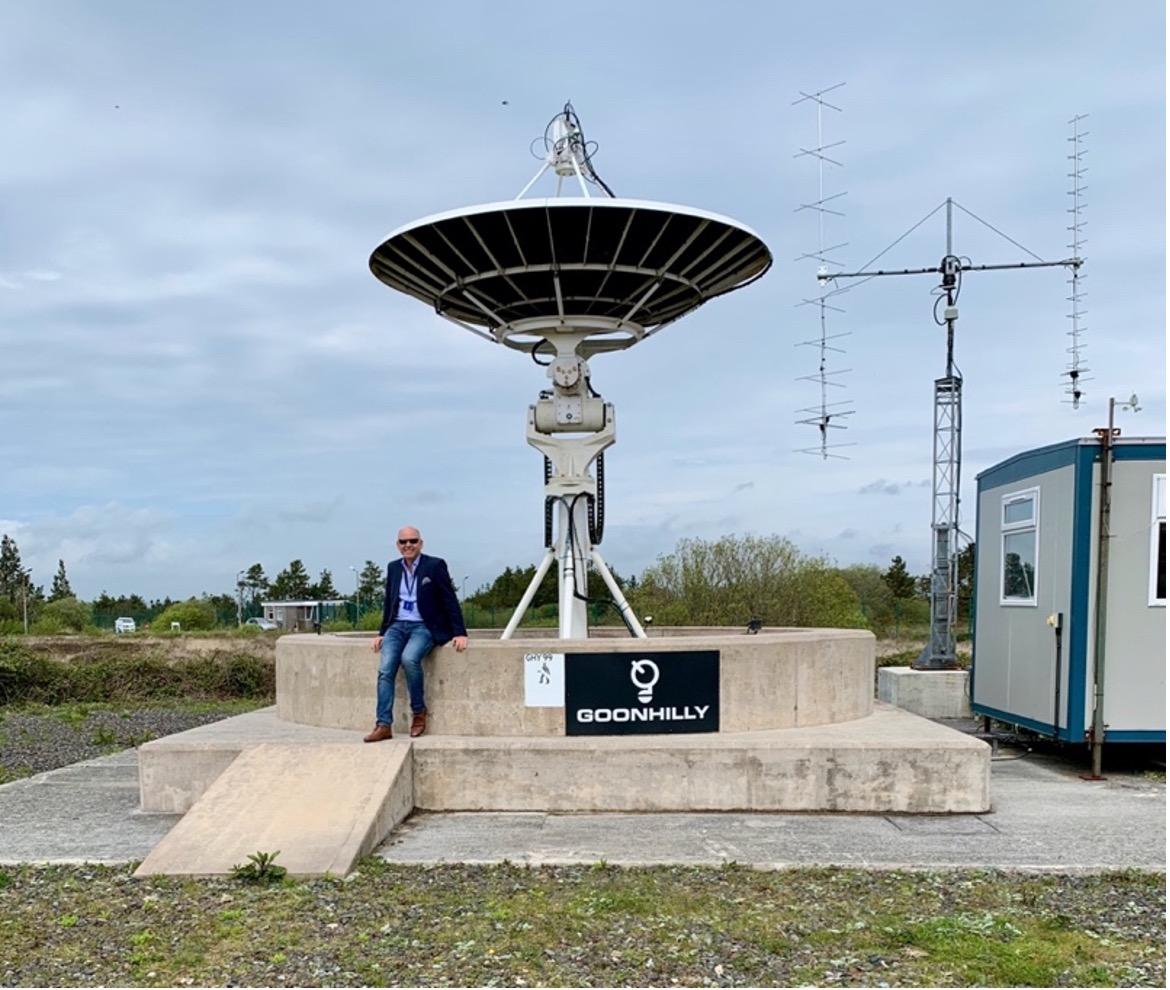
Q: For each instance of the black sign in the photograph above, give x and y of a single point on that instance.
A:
(610, 694)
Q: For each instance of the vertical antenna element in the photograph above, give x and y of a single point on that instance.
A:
(1077, 370)
(823, 416)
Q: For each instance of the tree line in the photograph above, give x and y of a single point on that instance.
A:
(736, 580)
(726, 582)
(24, 604)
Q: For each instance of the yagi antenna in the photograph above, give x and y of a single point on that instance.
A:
(1077, 370)
(826, 416)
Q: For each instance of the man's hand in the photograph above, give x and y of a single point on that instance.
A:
(377, 643)
(460, 643)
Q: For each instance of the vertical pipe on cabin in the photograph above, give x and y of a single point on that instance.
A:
(1058, 628)
(1098, 732)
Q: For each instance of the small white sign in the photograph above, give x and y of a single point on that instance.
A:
(544, 680)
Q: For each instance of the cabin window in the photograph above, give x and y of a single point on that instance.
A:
(1158, 542)
(1019, 521)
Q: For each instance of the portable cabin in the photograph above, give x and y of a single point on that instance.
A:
(1037, 571)
(295, 616)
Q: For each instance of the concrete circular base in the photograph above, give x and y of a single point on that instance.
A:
(773, 680)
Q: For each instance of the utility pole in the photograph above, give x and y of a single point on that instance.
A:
(1101, 602)
(939, 653)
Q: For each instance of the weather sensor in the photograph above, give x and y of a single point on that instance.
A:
(563, 279)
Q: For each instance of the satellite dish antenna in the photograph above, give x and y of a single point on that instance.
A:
(565, 278)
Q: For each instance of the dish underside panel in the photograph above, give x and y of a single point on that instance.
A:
(603, 259)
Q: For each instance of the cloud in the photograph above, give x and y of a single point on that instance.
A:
(205, 374)
(883, 487)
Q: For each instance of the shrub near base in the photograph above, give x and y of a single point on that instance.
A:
(30, 677)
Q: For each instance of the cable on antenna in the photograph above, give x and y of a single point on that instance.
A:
(567, 153)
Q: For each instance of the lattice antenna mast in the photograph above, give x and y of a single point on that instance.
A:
(939, 653)
(1077, 370)
(827, 415)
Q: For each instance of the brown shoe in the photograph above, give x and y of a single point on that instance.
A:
(418, 724)
(380, 732)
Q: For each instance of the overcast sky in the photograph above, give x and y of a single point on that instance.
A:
(198, 371)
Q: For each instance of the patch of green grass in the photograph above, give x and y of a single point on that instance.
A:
(11, 773)
(74, 713)
(104, 736)
(903, 658)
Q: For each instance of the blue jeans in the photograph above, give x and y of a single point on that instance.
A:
(404, 645)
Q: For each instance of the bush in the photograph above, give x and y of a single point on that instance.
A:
(27, 677)
(48, 625)
(191, 615)
(736, 579)
(63, 615)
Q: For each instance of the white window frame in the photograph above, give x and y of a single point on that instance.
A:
(1006, 529)
(1157, 533)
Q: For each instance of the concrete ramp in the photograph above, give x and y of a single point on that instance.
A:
(322, 806)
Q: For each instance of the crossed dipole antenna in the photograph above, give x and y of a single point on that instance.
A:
(825, 416)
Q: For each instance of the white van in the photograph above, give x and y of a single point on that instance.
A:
(125, 626)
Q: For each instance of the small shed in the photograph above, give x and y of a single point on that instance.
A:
(304, 615)
(1037, 571)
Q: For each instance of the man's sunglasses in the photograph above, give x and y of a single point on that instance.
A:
(404, 543)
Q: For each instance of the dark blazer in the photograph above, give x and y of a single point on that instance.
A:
(438, 605)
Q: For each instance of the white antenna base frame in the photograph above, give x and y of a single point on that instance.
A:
(572, 486)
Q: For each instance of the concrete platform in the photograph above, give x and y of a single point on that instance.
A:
(929, 693)
(778, 721)
(1045, 817)
(890, 761)
(780, 679)
(322, 807)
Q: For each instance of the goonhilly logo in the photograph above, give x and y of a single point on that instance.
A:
(644, 674)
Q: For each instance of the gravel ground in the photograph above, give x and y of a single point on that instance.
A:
(583, 926)
(33, 742)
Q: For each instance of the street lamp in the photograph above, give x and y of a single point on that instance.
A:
(240, 597)
(357, 596)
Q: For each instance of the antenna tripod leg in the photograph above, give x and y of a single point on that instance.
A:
(631, 620)
(529, 594)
